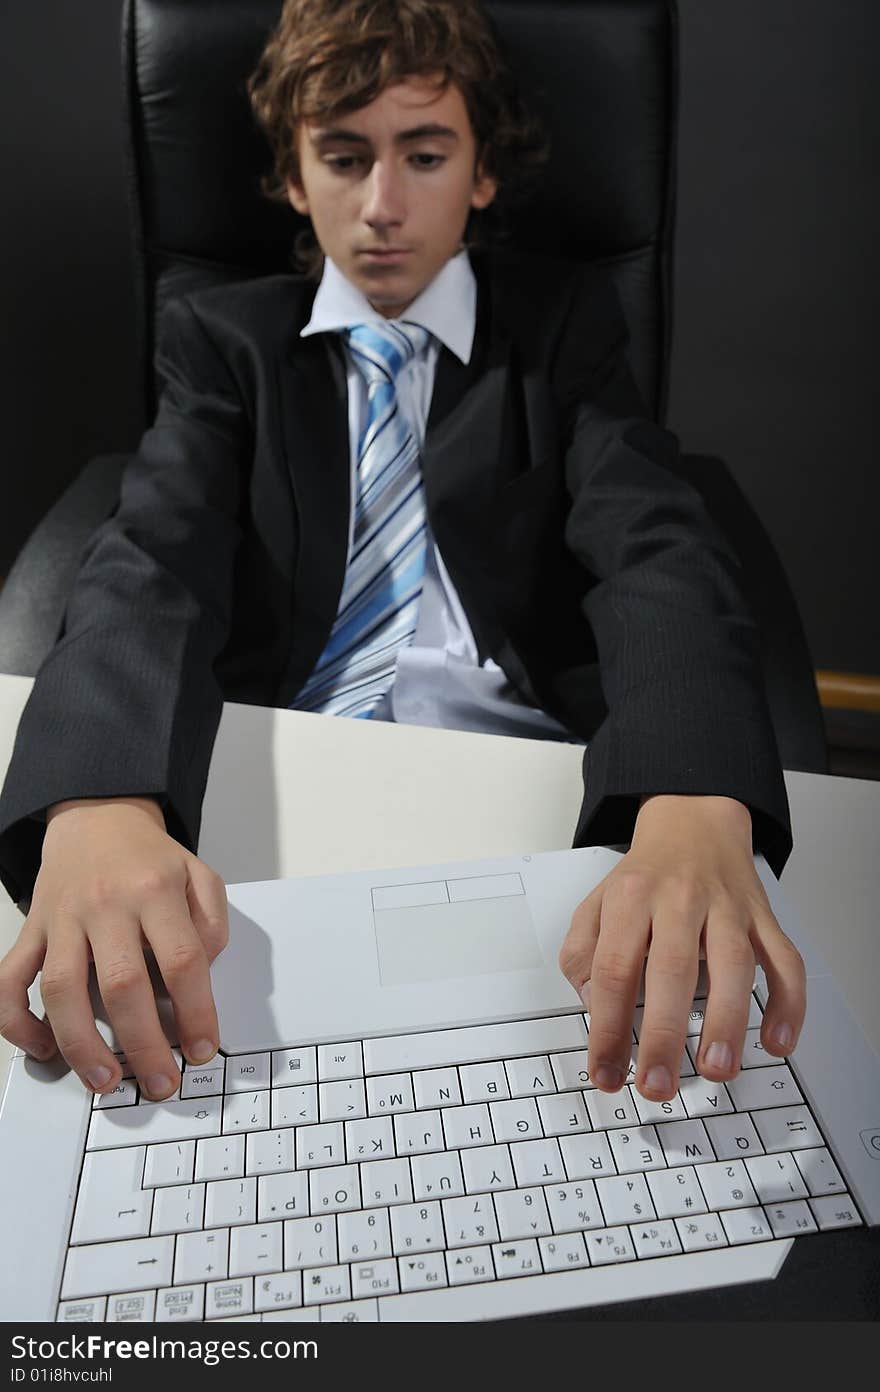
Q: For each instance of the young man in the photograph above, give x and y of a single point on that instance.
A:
(541, 532)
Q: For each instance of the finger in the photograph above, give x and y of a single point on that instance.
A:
(64, 987)
(670, 980)
(730, 960)
(208, 907)
(787, 986)
(576, 953)
(18, 970)
(127, 993)
(614, 985)
(183, 964)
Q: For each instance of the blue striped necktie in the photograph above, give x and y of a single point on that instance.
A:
(378, 607)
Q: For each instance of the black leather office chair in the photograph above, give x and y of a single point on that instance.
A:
(603, 76)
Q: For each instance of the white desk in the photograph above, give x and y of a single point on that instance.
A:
(291, 793)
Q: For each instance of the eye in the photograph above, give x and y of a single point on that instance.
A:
(342, 163)
(434, 160)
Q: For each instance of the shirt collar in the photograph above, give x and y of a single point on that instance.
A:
(447, 307)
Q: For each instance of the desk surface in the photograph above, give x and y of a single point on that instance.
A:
(293, 793)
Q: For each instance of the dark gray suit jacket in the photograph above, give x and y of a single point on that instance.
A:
(587, 569)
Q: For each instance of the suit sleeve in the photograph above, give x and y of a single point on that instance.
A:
(127, 702)
(679, 654)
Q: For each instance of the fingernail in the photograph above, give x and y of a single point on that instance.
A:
(158, 1086)
(202, 1051)
(608, 1076)
(719, 1056)
(783, 1036)
(658, 1078)
(97, 1077)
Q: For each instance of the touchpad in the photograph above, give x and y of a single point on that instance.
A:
(463, 927)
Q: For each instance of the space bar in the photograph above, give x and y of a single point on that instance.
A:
(474, 1043)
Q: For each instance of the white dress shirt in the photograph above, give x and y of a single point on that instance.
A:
(439, 679)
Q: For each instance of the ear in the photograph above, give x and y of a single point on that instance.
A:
(296, 195)
(485, 189)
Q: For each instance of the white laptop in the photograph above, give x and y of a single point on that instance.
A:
(400, 1126)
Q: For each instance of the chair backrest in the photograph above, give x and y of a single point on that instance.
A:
(602, 74)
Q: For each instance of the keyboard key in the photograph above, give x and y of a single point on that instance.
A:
(483, 1082)
(435, 1176)
(467, 1126)
(745, 1225)
(609, 1245)
(835, 1211)
(229, 1201)
(226, 1299)
(385, 1182)
(789, 1128)
(374, 1278)
(390, 1093)
(248, 1072)
(281, 1292)
(437, 1087)
(819, 1171)
(790, 1219)
(685, 1143)
(487, 1168)
(564, 1253)
(703, 1098)
(180, 1304)
(700, 1232)
(320, 1145)
(351, 1312)
(516, 1259)
(220, 1157)
(416, 1133)
(200, 1256)
(676, 1192)
(528, 1076)
(624, 1199)
(153, 1123)
(108, 1267)
(587, 1157)
(342, 1101)
(416, 1228)
(635, 1150)
(82, 1311)
(125, 1094)
(474, 1044)
(764, 1087)
(733, 1137)
(776, 1178)
(340, 1061)
(574, 1206)
(470, 1220)
(294, 1066)
(364, 1236)
(111, 1203)
(295, 1106)
(655, 1239)
(269, 1151)
(309, 1242)
(245, 1111)
(369, 1139)
(256, 1250)
(727, 1184)
(754, 1055)
(516, 1120)
(610, 1109)
(522, 1213)
(178, 1209)
(169, 1164)
(334, 1189)
(469, 1265)
(563, 1113)
(536, 1162)
(282, 1196)
(570, 1070)
(136, 1307)
(423, 1272)
(673, 1110)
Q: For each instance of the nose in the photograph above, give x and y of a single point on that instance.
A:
(384, 206)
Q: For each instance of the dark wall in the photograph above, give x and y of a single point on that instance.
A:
(776, 304)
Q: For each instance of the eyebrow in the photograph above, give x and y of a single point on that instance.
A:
(406, 137)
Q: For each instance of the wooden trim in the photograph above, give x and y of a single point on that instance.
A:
(848, 691)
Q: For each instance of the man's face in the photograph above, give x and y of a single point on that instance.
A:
(389, 188)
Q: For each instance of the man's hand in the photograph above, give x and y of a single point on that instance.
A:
(112, 881)
(687, 881)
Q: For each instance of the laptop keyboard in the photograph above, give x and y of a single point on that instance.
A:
(334, 1181)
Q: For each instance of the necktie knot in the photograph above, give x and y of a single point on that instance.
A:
(382, 350)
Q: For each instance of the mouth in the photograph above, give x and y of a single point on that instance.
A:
(385, 255)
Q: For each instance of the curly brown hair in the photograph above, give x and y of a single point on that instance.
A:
(329, 57)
